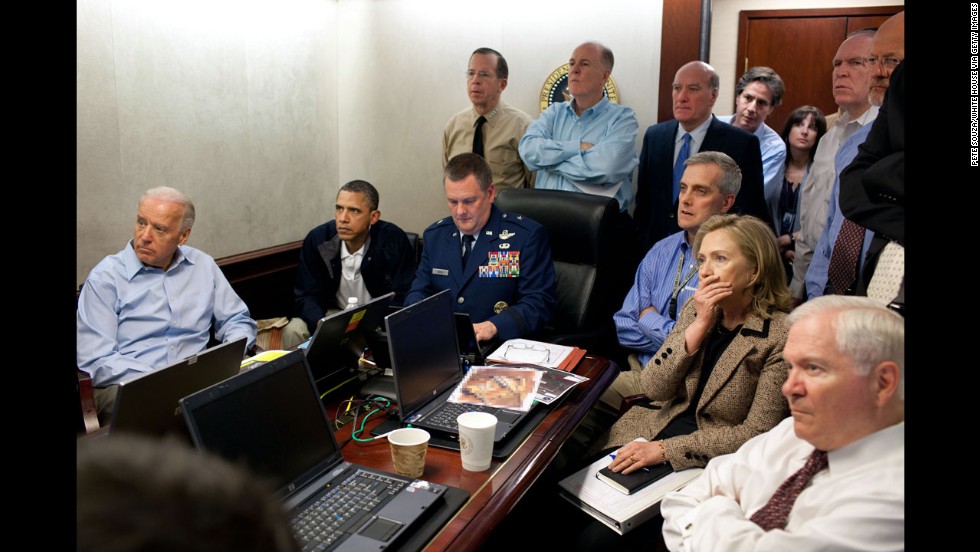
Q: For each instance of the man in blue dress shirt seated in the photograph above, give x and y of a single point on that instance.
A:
(668, 275)
(155, 302)
(830, 477)
(506, 280)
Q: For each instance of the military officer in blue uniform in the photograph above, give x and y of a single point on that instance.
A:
(507, 283)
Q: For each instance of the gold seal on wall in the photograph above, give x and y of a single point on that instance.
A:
(555, 88)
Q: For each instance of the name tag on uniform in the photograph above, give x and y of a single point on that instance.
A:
(440, 272)
(502, 264)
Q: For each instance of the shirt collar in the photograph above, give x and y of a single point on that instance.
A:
(599, 106)
(134, 265)
(490, 115)
(861, 119)
(697, 135)
(344, 253)
(868, 449)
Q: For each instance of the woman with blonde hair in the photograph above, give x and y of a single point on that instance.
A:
(715, 382)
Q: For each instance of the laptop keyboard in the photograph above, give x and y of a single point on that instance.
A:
(324, 524)
(445, 417)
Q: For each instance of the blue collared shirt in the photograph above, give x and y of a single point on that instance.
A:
(773, 150)
(653, 286)
(551, 146)
(816, 275)
(134, 319)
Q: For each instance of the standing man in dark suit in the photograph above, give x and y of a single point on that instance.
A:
(695, 90)
(497, 265)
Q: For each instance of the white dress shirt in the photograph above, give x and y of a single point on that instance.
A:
(857, 503)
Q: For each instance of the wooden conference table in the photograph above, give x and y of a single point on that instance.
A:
(496, 491)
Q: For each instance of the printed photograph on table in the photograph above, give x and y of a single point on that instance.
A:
(512, 388)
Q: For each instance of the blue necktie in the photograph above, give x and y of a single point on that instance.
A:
(679, 165)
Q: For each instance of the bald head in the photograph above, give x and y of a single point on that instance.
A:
(887, 51)
(852, 74)
(694, 92)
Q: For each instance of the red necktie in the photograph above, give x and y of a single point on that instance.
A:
(775, 513)
(844, 259)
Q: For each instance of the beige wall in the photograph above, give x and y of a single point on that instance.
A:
(233, 103)
(260, 110)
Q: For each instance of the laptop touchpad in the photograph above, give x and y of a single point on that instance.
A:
(381, 529)
(507, 416)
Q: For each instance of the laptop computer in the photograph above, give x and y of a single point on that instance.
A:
(473, 352)
(149, 403)
(338, 340)
(426, 367)
(271, 418)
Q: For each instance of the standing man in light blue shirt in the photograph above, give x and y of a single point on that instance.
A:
(587, 144)
(155, 302)
(758, 92)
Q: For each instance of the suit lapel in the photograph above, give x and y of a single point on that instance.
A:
(665, 160)
(743, 344)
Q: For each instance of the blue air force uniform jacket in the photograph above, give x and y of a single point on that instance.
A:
(509, 278)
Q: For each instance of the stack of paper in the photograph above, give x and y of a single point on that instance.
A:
(620, 512)
(539, 353)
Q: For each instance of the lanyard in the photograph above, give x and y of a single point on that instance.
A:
(678, 284)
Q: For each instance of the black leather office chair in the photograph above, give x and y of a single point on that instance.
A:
(588, 258)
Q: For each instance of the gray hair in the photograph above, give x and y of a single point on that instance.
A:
(867, 332)
(731, 174)
(166, 193)
(766, 76)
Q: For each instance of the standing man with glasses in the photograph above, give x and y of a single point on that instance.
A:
(887, 51)
(851, 80)
(668, 275)
(489, 128)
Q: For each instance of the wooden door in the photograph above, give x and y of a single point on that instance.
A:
(800, 46)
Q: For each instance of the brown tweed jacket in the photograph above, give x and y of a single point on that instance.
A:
(741, 399)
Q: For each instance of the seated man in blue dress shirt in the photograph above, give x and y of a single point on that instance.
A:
(668, 275)
(503, 304)
(758, 92)
(155, 302)
(587, 144)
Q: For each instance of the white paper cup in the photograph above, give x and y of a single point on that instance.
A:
(476, 431)
(408, 447)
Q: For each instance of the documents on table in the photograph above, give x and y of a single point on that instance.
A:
(618, 511)
(539, 353)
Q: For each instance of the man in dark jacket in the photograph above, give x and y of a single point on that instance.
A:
(355, 255)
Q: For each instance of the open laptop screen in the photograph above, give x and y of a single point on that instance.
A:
(424, 352)
(270, 418)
